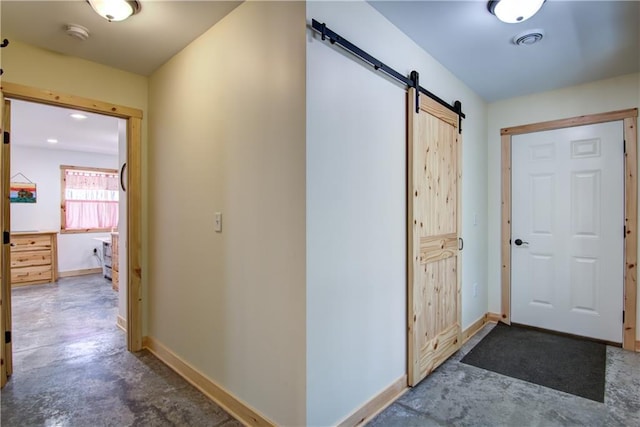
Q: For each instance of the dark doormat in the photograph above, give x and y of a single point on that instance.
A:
(563, 363)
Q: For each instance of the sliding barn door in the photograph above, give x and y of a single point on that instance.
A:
(5, 252)
(433, 228)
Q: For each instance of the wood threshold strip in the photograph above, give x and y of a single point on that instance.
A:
(213, 391)
(376, 404)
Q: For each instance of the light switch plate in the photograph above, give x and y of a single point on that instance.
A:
(218, 222)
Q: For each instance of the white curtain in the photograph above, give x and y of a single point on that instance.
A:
(91, 200)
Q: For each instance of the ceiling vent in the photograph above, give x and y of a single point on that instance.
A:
(77, 31)
(528, 37)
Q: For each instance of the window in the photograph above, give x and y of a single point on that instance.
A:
(89, 199)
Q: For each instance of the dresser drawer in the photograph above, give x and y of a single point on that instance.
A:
(34, 258)
(30, 243)
(39, 273)
(30, 258)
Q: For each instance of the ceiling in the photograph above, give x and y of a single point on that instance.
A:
(139, 44)
(584, 41)
(32, 124)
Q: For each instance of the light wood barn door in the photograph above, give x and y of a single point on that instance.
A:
(5, 253)
(433, 226)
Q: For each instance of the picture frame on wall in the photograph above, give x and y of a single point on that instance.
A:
(22, 192)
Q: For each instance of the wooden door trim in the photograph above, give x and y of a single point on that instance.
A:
(590, 119)
(6, 354)
(44, 96)
(134, 181)
(631, 239)
(629, 118)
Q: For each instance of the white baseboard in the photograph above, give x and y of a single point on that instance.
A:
(213, 391)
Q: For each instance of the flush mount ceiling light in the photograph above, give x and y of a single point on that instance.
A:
(52, 141)
(78, 116)
(514, 11)
(115, 10)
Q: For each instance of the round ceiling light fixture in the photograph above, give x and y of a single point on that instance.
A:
(529, 37)
(77, 31)
(52, 140)
(115, 10)
(78, 116)
(514, 11)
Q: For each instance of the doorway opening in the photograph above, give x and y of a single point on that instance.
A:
(132, 182)
(70, 227)
(628, 120)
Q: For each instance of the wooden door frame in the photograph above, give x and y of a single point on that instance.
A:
(6, 353)
(134, 187)
(629, 118)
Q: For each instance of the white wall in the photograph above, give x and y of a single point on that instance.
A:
(356, 210)
(42, 166)
(227, 130)
(596, 97)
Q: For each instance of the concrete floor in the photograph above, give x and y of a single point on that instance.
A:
(457, 394)
(71, 368)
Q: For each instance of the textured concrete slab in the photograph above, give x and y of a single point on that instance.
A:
(71, 367)
(398, 415)
(456, 394)
(622, 385)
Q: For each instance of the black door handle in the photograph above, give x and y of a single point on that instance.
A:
(124, 165)
(519, 242)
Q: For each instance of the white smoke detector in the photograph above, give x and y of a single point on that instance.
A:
(77, 31)
(529, 37)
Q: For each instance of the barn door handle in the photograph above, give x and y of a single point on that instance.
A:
(519, 242)
(124, 165)
(460, 243)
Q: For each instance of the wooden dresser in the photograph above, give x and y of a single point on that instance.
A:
(34, 257)
(115, 262)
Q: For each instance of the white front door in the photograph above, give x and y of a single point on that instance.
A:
(567, 230)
